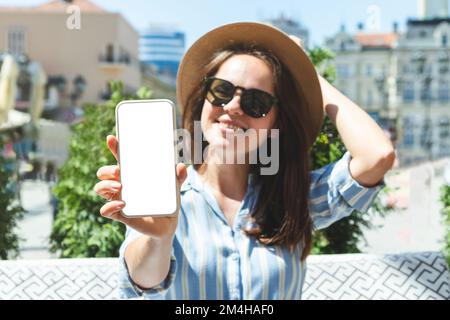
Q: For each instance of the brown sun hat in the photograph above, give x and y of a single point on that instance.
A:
(190, 73)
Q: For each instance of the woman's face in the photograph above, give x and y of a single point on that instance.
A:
(219, 123)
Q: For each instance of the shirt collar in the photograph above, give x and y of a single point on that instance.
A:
(193, 181)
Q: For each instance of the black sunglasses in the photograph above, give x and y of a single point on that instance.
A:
(254, 102)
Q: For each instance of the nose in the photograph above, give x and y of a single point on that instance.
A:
(234, 106)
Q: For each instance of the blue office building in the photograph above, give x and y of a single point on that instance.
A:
(161, 50)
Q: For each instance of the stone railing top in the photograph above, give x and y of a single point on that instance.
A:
(419, 275)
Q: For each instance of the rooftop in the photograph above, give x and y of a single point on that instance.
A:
(427, 22)
(86, 6)
(372, 40)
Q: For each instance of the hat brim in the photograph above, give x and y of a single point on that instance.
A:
(190, 72)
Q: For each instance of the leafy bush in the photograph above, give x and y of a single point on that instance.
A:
(445, 200)
(344, 235)
(10, 210)
(79, 230)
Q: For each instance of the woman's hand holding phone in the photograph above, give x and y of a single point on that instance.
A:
(109, 188)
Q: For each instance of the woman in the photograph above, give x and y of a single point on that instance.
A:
(240, 234)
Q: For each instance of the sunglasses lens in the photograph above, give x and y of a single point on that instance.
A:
(219, 92)
(256, 103)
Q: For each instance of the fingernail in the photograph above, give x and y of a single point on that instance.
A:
(115, 185)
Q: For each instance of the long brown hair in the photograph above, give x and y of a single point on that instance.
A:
(281, 214)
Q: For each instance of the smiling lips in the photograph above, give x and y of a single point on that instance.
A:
(229, 126)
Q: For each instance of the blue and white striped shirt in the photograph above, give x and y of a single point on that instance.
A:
(212, 260)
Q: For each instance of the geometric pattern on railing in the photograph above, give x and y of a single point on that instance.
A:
(413, 276)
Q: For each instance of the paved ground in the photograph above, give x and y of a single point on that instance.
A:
(417, 223)
(35, 227)
(415, 226)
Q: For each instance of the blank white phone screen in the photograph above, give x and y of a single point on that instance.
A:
(147, 157)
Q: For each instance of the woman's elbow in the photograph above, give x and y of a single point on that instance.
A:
(388, 159)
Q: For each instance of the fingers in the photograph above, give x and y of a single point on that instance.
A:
(112, 209)
(108, 189)
(181, 173)
(108, 173)
(112, 143)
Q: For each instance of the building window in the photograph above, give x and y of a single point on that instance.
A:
(369, 70)
(443, 63)
(423, 34)
(418, 61)
(425, 93)
(426, 134)
(16, 40)
(408, 135)
(444, 127)
(109, 53)
(443, 93)
(408, 92)
(444, 133)
(343, 71)
(124, 56)
(444, 40)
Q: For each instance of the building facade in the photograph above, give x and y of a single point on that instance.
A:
(80, 60)
(365, 71)
(423, 79)
(291, 27)
(403, 81)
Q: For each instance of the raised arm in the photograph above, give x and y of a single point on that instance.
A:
(372, 152)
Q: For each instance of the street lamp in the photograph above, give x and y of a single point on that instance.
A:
(387, 122)
(419, 61)
(426, 98)
(381, 84)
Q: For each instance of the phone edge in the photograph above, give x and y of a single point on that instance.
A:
(174, 124)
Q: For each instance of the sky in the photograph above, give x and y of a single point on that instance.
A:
(323, 18)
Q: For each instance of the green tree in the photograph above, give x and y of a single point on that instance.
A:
(445, 200)
(79, 230)
(10, 210)
(344, 235)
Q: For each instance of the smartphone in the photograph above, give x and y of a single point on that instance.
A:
(147, 157)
